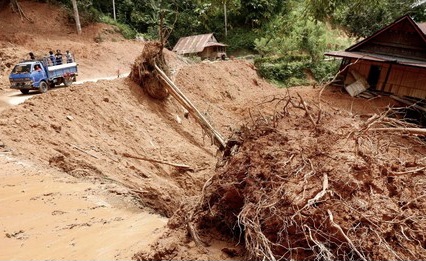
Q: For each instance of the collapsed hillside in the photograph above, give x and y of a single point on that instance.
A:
(99, 130)
(113, 131)
(286, 191)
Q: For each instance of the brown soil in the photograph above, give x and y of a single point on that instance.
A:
(100, 51)
(70, 170)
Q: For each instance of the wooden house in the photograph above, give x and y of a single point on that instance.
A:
(391, 60)
(204, 45)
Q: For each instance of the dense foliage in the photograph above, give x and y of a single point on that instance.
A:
(290, 36)
(293, 48)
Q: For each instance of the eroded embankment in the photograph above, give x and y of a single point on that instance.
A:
(87, 130)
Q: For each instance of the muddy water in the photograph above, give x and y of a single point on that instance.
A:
(46, 214)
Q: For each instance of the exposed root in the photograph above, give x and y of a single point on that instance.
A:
(331, 192)
(144, 74)
(344, 235)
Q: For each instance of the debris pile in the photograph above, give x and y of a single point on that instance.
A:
(309, 183)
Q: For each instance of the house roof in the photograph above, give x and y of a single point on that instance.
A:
(377, 58)
(195, 43)
(361, 51)
(420, 28)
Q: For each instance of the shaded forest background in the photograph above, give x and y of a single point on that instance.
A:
(286, 37)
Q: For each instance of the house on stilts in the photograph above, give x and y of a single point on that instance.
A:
(392, 60)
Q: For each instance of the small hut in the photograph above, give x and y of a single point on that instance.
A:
(392, 60)
(204, 45)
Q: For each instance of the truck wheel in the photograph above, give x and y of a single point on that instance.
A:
(67, 81)
(25, 91)
(43, 87)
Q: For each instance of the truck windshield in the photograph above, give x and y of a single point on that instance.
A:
(22, 68)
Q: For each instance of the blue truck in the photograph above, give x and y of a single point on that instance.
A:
(39, 75)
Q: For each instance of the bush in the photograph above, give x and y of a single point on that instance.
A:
(241, 39)
(296, 44)
(289, 71)
(127, 31)
(293, 70)
(324, 70)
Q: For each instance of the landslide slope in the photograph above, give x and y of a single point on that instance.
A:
(88, 130)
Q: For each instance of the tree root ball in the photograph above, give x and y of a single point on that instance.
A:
(143, 71)
(300, 190)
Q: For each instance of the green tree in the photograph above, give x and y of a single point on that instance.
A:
(293, 46)
(361, 17)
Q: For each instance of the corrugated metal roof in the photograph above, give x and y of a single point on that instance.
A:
(195, 43)
(214, 44)
(377, 58)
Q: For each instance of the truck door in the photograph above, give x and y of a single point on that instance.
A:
(37, 74)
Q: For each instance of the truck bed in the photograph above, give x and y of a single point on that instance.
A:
(61, 70)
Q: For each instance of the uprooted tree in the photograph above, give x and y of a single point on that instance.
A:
(148, 72)
(297, 189)
(143, 70)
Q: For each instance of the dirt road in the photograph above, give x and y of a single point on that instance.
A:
(11, 97)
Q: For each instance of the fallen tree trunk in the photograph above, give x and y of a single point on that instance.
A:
(148, 74)
(177, 165)
(418, 131)
(217, 138)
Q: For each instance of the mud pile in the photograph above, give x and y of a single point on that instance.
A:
(308, 181)
(308, 184)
